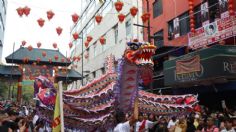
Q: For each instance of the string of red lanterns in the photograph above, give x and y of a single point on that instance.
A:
(231, 7)
(191, 15)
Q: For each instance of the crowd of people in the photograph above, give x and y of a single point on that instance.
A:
(204, 121)
(15, 118)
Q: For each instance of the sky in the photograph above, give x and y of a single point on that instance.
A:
(27, 28)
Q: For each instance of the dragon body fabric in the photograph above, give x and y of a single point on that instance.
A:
(93, 105)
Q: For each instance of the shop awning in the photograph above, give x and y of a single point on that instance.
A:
(9, 71)
(205, 66)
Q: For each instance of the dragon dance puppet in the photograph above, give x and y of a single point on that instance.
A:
(93, 105)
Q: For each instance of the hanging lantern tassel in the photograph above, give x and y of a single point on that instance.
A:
(119, 5)
(39, 44)
(54, 45)
(133, 11)
(191, 15)
(121, 17)
(20, 11)
(75, 17)
(56, 57)
(50, 14)
(75, 35)
(59, 30)
(86, 44)
(41, 22)
(70, 45)
(23, 43)
(98, 19)
(26, 10)
(102, 40)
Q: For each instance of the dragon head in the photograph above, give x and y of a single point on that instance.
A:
(140, 53)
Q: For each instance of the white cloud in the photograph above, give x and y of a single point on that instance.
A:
(27, 28)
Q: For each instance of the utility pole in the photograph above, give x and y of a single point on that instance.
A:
(82, 81)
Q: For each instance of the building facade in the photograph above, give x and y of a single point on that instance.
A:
(3, 12)
(115, 33)
(183, 38)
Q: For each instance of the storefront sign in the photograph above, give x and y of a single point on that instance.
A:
(213, 32)
(215, 67)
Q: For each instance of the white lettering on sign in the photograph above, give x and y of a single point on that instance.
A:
(229, 67)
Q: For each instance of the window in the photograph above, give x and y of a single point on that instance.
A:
(197, 16)
(128, 27)
(157, 8)
(184, 23)
(116, 33)
(214, 11)
(170, 30)
(158, 39)
(94, 74)
(103, 70)
(184, 26)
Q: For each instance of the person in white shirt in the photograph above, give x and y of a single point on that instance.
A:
(228, 126)
(143, 124)
(172, 122)
(122, 124)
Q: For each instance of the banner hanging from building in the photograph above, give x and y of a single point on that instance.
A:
(213, 32)
(188, 65)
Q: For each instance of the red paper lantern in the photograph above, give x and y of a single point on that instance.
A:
(44, 66)
(192, 30)
(102, 40)
(75, 35)
(23, 43)
(98, 19)
(39, 44)
(75, 17)
(20, 11)
(56, 57)
(26, 10)
(70, 45)
(119, 5)
(89, 38)
(86, 44)
(30, 48)
(38, 60)
(121, 17)
(133, 11)
(59, 30)
(41, 22)
(62, 60)
(50, 15)
(54, 45)
(145, 17)
(26, 59)
(50, 60)
(44, 54)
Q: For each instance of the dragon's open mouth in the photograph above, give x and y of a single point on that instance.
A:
(144, 56)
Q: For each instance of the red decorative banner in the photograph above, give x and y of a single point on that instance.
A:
(213, 32)
(188, 65)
